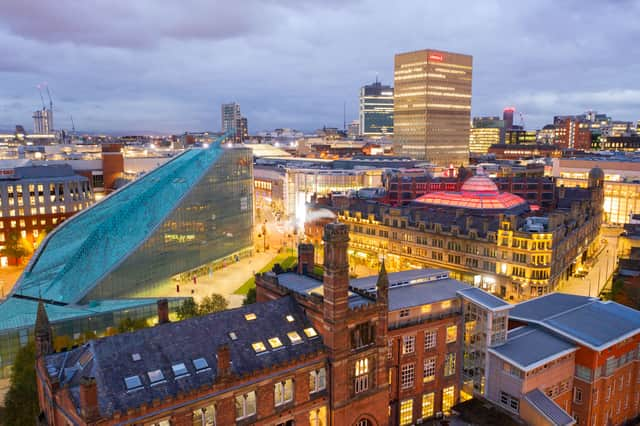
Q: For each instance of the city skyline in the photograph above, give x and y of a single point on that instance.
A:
(120, 67)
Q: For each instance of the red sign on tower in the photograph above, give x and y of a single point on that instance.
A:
(436, 57)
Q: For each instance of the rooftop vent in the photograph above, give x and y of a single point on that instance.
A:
(290, 318)
(136, 357)
(179, 370)
(132, 383)
(155, 377)
(200, 364)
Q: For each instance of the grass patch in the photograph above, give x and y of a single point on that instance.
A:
(284, 259)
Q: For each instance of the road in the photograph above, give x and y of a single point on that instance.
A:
(599, 273)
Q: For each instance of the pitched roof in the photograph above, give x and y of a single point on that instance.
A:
(530, 347)
(112, 359)
(581, 319)
(485, 299)
(548, 408)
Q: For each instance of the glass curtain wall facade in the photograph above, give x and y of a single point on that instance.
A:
(376, 110)
(214, 220)
(432, 106)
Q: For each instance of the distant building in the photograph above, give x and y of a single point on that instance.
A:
(432, 107)
(353, 129)
(520, 137)
(519, 151)
(233, 120)
(485, 131)
(484, 236)
(507, 117)
(620, 143)
(35, 199)
(572, 134)
(376, 110)
(43, 121)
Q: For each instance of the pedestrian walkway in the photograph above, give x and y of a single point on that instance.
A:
(224, 281)
(600, 270)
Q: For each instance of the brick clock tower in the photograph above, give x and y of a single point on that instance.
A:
(356, 338)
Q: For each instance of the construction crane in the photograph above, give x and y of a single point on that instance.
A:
(51, 100)
(41, 98)
(73, 126)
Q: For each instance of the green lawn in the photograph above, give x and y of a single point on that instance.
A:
(284, 259)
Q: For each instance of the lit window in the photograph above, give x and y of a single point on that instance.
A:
(275, 342)
(317, 380)
(179, 370)
(427, 405)
(283, 392)
(155, 377)
(450, 364)
(406, 412)
(250, 317)
(294, 337)
(259, 347)
(290, 318)
(245, 405)
(452, 333)
(132, 383)
(361, 383)
(310, 332)
(448, 398)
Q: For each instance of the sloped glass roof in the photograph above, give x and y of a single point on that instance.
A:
(78, 253)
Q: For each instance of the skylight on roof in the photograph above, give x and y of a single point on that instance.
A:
(258, 347)
(294, 337)
(132, 383)
(179, 370)
(233, 336)
(275, 342)
(250, 316)
(310, 332)
(155, 377)
(200, 364)
(136, 357)
(290, 318)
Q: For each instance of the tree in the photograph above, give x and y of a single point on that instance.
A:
(250, 297)
(213, 303)
(14, 248)
(21, 401)
(188, 309)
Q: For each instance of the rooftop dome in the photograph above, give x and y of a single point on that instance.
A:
(478, 192)
(479, 184)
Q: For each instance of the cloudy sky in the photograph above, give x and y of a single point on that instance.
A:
(166, 66)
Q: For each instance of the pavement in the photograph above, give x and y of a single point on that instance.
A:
(599, 271)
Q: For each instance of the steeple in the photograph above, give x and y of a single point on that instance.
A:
(43, 332)
(382, 285)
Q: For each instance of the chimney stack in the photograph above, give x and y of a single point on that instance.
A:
(224, 361)
(89, 399)
(163, 311)
(306, 253)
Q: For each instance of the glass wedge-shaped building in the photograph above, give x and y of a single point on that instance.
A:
(107, 262)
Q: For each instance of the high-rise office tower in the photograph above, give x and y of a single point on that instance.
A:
(432, 106)
(43, 121)
(232, 119)
(230, 115)
(376, 110)
(485, 131)
(507, 117)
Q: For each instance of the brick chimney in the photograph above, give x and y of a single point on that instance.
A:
(163, 311)
(224, 361)
(306, 254)
(89, 399)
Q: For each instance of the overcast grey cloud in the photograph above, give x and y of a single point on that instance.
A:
(166, 66)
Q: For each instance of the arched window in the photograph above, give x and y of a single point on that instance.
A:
(363, 422)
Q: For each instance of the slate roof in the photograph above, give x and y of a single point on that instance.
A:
(530, 347)
(414, 287)
(110, 359)
(584, 320)
(548, 408)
